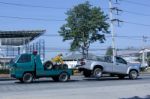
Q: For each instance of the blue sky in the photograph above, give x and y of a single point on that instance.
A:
(52, 26)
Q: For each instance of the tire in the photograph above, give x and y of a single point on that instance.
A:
(65, 66)
(97, 72)
(63, 77)
(87, 73)
(27, 78)
(133, 74)
(121, 76)
(48, 65)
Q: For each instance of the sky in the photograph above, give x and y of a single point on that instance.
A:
(135, 16)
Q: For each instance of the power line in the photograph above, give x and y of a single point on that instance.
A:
(136, 13)
(140, 24)
(120, 36)
(39, 6)
(33, 6)
(28, 18)
(136, 3)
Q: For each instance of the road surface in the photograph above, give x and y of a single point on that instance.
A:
(78, 88)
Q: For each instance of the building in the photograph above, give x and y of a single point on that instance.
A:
(13, 43)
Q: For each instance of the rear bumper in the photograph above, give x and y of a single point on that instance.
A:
(83, 69)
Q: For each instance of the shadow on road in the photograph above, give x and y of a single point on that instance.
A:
(137, 97)
(46, 81)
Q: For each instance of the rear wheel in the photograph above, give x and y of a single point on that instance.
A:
(63, 77)
(133, 74)
(97, 72)
(27, 78)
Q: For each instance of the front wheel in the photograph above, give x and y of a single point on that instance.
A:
(133, 74)
(27, 78)
(97, 72)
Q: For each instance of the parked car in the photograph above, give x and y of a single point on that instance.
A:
(97, 66)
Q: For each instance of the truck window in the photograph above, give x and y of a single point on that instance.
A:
(108, 59)
(120, 60)
(24, 58)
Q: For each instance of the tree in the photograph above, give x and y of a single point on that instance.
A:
(85, 25)
(109, 51)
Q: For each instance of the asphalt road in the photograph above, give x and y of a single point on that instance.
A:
(78, 87)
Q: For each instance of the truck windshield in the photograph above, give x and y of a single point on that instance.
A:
(14, 59)
(24, 58)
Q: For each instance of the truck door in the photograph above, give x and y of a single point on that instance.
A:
(108, 64)
(120, 66)
(24, 63)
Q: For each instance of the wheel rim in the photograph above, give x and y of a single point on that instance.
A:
(97, 72)
(63, 77)
(133, 74)
(27, 78)
(49, 67)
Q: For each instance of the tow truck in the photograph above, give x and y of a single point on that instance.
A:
(28, 67)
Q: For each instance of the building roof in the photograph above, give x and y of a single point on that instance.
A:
(17, 38)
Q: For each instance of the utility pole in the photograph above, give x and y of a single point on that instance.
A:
(143, 52)
(112, 20)
(112, 31)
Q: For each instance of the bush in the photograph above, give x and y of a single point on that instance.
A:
(6, 71)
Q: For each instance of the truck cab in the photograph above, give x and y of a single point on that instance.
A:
(27, 67)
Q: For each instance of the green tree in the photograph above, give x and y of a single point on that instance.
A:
(85, 25)
(109, 51)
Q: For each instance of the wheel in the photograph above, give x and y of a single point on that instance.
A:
(86, 73)
(48, 65)
(63, 77)
(133, 74)
(121, 76)
(65, 66)
(97, 72)
(27, 78)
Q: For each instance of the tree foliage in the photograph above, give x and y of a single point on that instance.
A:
(85, 25)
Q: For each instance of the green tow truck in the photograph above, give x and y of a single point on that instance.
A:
(27, 67)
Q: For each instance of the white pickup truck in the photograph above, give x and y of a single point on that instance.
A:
(100, 65)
